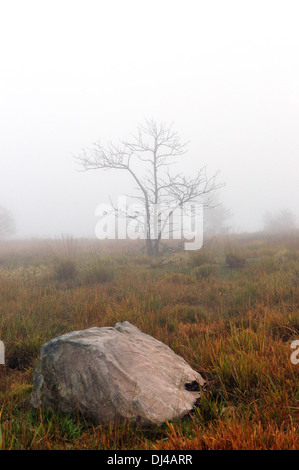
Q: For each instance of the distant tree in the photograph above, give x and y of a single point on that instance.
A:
(283, 221)
(7, 223)
(147, 158)
(216, 217)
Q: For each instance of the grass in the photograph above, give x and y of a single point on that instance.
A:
(232, 323)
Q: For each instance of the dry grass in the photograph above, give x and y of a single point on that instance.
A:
(232, 324)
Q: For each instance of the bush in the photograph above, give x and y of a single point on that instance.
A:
(204, 271)
(235, 261)
(65, 270)
(201, 257)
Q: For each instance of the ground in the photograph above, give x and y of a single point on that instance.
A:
(231, 310)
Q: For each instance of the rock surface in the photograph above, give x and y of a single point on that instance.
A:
(114, 374)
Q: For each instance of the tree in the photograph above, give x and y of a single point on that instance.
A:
(7, 224)
(283, 221)
(147, 159)
(216, 217)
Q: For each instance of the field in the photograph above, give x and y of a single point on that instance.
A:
(231, 310)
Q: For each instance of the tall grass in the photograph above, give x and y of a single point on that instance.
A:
(234, 326)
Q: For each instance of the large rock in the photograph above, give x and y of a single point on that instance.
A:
(112, 374)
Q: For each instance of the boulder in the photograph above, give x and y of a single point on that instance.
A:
(114, 374)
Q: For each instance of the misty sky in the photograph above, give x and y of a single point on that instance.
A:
(73, 72)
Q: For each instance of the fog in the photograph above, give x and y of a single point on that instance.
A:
(73, 72)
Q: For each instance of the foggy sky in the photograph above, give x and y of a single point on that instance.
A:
(73, 72)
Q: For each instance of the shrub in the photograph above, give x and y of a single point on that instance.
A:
(235, 261)
(65, 270)
(201, 257)
(204, 271)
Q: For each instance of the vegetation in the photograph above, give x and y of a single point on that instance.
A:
(7, 223)
(65, 270)
(281, 222)
(235, 261)
(147, 159)
(234, 326)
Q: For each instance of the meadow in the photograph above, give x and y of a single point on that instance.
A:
(231, 310)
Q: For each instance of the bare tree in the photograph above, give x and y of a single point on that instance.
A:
(7, 223)
(147, 158)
